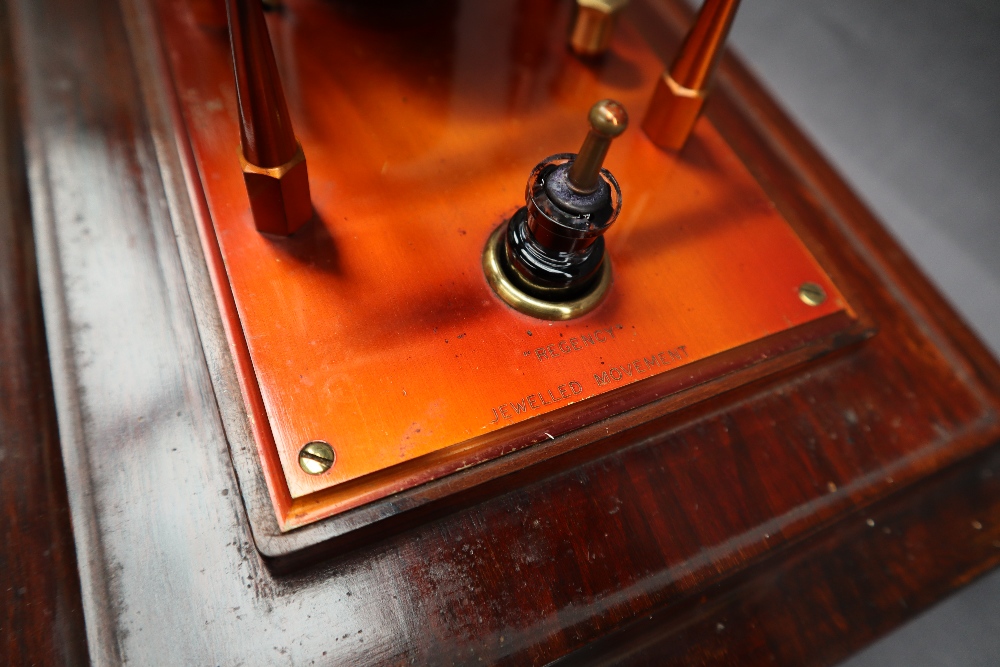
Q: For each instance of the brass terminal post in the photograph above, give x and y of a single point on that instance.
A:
(548, 260)
(593, 26)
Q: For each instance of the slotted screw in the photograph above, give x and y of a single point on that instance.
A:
(316, 457)
(811, 294)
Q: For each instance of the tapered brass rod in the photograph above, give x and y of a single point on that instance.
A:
(681, 92)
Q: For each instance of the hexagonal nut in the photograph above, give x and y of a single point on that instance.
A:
(672, 114)
(279, 196)
(594, 26)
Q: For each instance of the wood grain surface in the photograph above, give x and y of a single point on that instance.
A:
(836, 591)
(749, 511)
(41, 616)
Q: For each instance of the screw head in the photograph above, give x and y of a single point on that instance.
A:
(316, 457)
(812, 294)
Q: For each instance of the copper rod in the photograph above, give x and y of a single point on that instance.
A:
(698, 56)
(680, 93)
(265, 127)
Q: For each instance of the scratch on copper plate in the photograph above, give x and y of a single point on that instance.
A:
(364, 420)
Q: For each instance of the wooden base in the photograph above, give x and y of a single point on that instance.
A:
(41, 617)
(749, 511)
(835, 591)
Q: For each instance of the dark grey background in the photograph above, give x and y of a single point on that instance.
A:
(904, 97)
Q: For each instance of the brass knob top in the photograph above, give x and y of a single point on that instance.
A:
(608, 119)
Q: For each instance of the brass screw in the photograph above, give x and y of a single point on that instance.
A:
(316, 457)
(811, 294)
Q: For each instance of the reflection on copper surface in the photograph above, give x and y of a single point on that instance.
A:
(534, 35)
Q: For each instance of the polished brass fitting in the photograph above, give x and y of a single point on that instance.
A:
(548, 260)
(594, 25)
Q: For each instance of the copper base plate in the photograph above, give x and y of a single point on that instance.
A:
(373, 328)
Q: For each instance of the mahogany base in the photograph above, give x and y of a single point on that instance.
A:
(735, 530)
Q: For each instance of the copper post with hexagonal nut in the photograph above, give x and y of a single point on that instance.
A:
(682, 90)
(274, 166)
